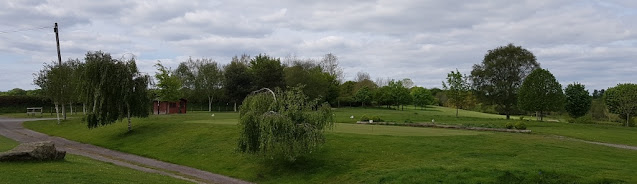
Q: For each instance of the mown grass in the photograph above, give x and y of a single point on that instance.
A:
(74, 169)
(355, 154)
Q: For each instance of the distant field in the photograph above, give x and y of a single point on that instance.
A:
(379, 154)
(74, 169)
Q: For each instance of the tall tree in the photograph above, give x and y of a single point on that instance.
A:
(422, 97)
(457, 89)
(578, 100)
(347, 93)
(497, 79)
(238, 81)
(364, 95)
(53, 80)
(622, 100)
(116, 90)
(400, 95)
(329, 64)
(209, 81)
(540, 92)
(168, 84)
(267, 72)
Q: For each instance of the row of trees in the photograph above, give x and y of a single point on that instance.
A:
(111, 89)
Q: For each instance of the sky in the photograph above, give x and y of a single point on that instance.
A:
(585, 41)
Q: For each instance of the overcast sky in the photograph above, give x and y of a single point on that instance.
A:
(591, 42)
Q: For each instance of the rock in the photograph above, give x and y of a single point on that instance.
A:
(44, 150)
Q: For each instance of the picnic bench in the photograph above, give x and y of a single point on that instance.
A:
(34, 110)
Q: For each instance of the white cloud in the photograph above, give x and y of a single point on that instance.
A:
(592, 42)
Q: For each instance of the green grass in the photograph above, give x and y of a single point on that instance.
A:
(355, 154)
(74, 169)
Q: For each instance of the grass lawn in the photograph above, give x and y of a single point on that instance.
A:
(357, 154)
(74, 169)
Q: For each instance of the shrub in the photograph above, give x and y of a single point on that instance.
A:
(582, 120)
(508, 125)
(520, 126)
(364, 118)
(521, 117)
(377, 119)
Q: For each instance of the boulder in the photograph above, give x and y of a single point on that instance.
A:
(39, 151)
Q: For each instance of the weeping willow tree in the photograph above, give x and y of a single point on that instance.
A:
(115, 89)
(286, 125)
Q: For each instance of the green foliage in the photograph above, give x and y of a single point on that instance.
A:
(622, 100)
(238, 80)
(364, 96)
(399, 94)
(267, 72)
(201, 80)
(457, 89)
(582, 120)
(599, 110)
(541, 92)
(421, 96)
(317, 83)
(377, 119)
(578, 101)
(383, 96)
(115, 89)
(365, 118)
(288, 127)
(168, 84)
(497, 79)
(18, 104)
(520, 126)
(508, 125)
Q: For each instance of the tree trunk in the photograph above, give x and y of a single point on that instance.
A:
(235, 106)
(128, 116)
(71, 104)
(457, 112)
(84, 108)
(541, 116)
(627, 119)
(168, 108)
(57, 112)
(508, 116)
(210, 104)
(64, 111)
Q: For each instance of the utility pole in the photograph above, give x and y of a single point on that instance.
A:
(57, 39)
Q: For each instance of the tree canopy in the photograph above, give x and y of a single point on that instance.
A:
(168, 84)
(578, 100)
(457, 89)
(622, 100)
(497, 79)
(422, 97)
(286, 125)
(541, 92)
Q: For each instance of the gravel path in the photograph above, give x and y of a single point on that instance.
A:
(13, 129)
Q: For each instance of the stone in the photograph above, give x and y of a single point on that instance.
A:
(39, 151)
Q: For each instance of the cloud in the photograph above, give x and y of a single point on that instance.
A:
(592, 42)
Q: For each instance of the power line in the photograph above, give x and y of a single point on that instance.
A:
(28, 29)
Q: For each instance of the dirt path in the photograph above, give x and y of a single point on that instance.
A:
(13, 129)
(622, 146)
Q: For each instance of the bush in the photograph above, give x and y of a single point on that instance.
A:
(521, 117)
(520, 126)
(508, 125)
(582, 120)
(364, 118)
(377, 119)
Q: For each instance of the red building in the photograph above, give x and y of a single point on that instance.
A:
(164, 107)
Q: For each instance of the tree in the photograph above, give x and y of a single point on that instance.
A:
(457, 89)
(578, 100)
(16, 92)
(347, 93)
(329, 64)
(622, 100)
(408, 83)
(238, 80)
(52, 80)
(209, 81)
(383, 96)
(540, 92)
(400, 94)
(168, 84)
(422, 97)
(311, 76)
(497, 79)
(364, 95)
(116, 90)
(286, 125)
(267, 72)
